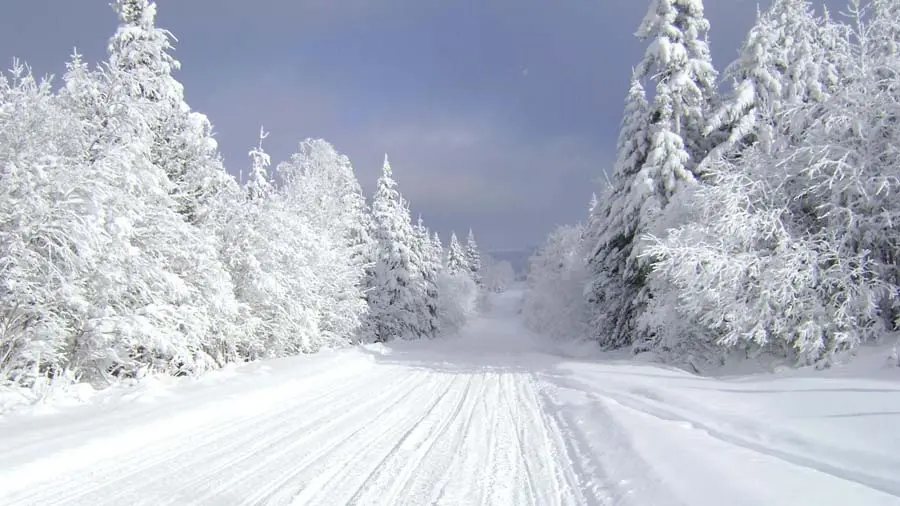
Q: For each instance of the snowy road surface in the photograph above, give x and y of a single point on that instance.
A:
(494, 417)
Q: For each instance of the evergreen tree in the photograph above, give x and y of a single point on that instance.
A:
(259, 184)
(456, 256)
(659, 152)
(679, 62)
(784, 63)
(173, 307)
(53, 237)
(748, 115)
(394, 300)
(798, 261)
(614, 227)
(437, 248)
(473, 258)
(428, 268)
(183, 145)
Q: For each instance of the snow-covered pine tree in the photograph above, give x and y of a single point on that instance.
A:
(748, 115)
(799, 261)
(183, 145)
(787, 57)
(473, 258)
(437, 248)
(614, 227)
(394, 300)
(428, 268)
(167, 299)
(660, 149)
(136, 89)
(678, 60)
(259, 181)
(456, 256)
(458, 293)
(259, 284)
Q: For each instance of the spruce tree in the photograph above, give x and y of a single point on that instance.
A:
(783, 64)
(259, 185)
(473, 258)
(678, 60)
(614, 224)
(177, 309)
(394, 300)
(456, 257)
(660, 148)
(183, 144)
(437, 248)
(428, 268)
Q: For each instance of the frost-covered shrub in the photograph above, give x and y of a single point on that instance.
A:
(554, 304)
(458, 301)
(746, 276)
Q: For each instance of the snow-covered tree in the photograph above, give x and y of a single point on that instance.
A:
(163, 297)
(678, 60)
(259, 258)
(661, 145)
(138, 80)
(473, 258)
(321, 187)
(748, 115)
(52, 235)
(456, 256)
(259, 181)
(614, 227)
(554, 304)
(183, 145)
(398, 294)
(792, 251)
(789, 59)
(428, 266)
(497, 276)
(458, 301)
(437, 248)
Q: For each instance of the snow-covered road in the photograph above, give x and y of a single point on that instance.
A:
(494, 417)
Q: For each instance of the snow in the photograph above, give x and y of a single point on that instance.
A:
(494, 415)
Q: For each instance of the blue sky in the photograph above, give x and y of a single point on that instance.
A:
(500, 115)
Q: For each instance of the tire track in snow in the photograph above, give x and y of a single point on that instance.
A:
(340, 428)
(510, 480)
(606, 465)
(432, 471)
(466, 474)
(570, 476)
(328, 479)
(77, 428)
(396, 435)
(260, 433)
(514, 408)
(416, 447)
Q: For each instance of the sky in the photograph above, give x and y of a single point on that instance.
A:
(497, 115)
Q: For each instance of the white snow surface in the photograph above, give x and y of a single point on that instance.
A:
(493, 416)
